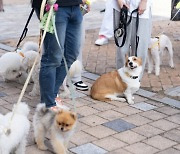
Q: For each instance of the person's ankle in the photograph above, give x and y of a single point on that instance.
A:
(102, 36)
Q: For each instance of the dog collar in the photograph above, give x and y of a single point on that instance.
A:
(132, 77)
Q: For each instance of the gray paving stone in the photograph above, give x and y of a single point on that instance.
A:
(144, 106)
(173, 135)
(6, 47)
(2, 94)
(119, 125)
(173, 91)
(91, 76)
(79, 95)
(145, 93)
(171, 102)
(88, 148)
(168, 151)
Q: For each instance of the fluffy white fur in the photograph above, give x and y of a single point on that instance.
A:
(11, 66)
(76, 68)
(15, 142)
(14, 66)
(28, 61)
(133, 85)
(30, 46)
(35, 78)
(156, 50)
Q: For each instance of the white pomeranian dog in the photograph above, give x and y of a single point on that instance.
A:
(156, 50)
(15, 65)
(11, 66)
(76, 68)
(14, 141)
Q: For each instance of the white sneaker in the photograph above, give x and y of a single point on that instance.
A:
(101, 40)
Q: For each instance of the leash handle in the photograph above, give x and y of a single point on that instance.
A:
(122, 28)
(23, 35)
(137, 25)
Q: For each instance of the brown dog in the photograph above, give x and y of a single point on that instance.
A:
(123, 81)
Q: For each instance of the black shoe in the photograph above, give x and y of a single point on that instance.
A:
(81, 86)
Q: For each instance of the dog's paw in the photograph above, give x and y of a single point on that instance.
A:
(157, 73)
(149, 72)
(171, 65)
(130, 102)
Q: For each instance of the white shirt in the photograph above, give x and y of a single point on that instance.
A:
(133, 4)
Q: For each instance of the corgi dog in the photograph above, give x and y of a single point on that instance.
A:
(124, 81)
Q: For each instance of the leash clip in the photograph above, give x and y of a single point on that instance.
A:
(119, 32)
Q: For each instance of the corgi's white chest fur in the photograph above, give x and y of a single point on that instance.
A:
(133, 85)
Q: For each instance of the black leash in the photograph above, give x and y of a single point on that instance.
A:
(122, 29)
(23, 35)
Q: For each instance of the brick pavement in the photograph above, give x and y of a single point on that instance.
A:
(149, 126)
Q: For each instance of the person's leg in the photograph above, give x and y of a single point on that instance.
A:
(120, 52)
(76, 79)
(107, 26)
(51, 59)
(144, 33)
(71, 46)
(106, 30)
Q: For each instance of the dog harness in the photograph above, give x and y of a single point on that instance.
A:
(155, 44)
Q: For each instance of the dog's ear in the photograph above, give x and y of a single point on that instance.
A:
(59, 111)
(126, 60)
(73, 115)
(126, 56)
(139, 61)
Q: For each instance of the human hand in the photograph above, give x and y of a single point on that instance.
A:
(142, 6)
(121, 4)
(88, 4)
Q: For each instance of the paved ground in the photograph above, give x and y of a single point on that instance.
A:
(149, 126)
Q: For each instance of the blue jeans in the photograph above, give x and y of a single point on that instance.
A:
(52, 71)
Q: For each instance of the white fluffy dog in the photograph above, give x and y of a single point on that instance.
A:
(30, 55)
(76, 68)
(156, 50)
(15, 140)
(15, 65)
(11, 66)
(35, 78)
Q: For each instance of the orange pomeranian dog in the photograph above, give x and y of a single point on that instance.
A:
(61, 126)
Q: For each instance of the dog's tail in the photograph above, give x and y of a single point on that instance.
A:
(21, 108)
(41, 107)
(30, 46)
(42, 110)
(170, 50)
(76, 68)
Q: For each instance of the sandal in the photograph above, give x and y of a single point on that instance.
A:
(60, 105)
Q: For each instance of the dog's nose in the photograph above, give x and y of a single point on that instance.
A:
(130, 63)
(19, 75)
(62, 128)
